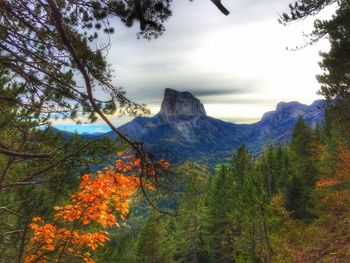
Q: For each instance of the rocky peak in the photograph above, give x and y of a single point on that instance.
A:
(292, 110)
(289, 106)
(181, 104)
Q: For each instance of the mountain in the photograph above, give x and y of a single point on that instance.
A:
(183, 131)
(277, 126)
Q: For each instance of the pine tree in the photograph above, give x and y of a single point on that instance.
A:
(221, 232)
(190, 231)
(240, 164)
(335, 63)
(303, 178)
(148, 243)
(226, 221)
(252, 243)
(268, 169)
(283, 168)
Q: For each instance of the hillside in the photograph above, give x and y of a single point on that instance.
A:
(183, 131)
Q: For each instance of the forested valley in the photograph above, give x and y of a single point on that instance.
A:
(288, 205)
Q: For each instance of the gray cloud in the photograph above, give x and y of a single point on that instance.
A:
(236, 65)
(205, 88)
(146, 68)
(252, 100)
(143, 67)
(215, 92)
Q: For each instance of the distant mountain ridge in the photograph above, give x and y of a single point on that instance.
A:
(277, 126)
(182, 131)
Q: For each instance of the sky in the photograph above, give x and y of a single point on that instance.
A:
(239, 66)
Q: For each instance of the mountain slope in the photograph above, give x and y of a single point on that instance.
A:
(182, 130)
(277, 126)
(180, 138)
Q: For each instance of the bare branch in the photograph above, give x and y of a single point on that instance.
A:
(148, 199)
(12, 212)
(7, 151)
(221, 7)
(31, 177)
(13, 232)
(18, 184)
(57, 19)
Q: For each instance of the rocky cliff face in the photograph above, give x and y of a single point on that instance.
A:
(181, 104)
(182, 112)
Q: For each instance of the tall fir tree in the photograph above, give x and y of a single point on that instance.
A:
(148, 244)
(304, 174)
(190, 231)
(220, 229)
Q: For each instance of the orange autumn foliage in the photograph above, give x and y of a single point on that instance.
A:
(342, 171)
(49, 238)
(102, 200)
(322, 183)
(343, 168)
(98, 197)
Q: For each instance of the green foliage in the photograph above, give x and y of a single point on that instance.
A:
(41, 169)
(190, 230)
(259, 210)
(220, 203)
(302, 180)
(275, 168)
(149, 241)
(303, 8)
(256, 211)
(240, 164)
(335, 63)
(263, 210)
(49, 62)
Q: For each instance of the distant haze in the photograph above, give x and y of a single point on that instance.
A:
(238, 65)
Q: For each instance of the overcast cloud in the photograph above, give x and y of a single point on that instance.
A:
(237, 65)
